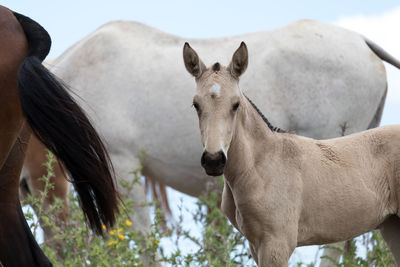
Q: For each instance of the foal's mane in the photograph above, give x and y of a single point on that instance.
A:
(272, 128)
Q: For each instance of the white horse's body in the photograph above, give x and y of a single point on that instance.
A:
(311, 78)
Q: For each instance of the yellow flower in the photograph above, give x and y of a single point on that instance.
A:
(121, 237)
(156, 241)
(120, 230)
(103, 227)
(111, 243)
(112, 232)
(128, 222)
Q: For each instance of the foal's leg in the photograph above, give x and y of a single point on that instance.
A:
(274, 251)
(253, 253)
(390, 230)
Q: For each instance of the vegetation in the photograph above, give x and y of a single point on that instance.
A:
(368, 250)
(219, 244)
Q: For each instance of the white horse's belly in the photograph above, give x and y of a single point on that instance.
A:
(190, 180)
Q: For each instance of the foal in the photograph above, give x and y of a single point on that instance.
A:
(282, 190)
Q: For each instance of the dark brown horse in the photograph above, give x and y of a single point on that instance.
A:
(32, 99)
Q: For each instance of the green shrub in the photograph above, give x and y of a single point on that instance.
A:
(75, 245)
(218, 245)
(374, 253)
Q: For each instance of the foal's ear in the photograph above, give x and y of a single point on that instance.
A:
(193, 63)
(239, 61)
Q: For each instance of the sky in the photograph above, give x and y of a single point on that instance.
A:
(69, 21)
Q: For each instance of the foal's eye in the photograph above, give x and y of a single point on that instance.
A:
(235, 106)
(196, 106)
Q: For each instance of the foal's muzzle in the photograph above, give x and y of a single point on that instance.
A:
(213, 164)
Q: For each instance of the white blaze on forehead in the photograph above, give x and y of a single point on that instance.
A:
(216, 88)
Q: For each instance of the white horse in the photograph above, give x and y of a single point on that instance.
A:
(311, 77)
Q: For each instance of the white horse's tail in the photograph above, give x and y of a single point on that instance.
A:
(381, 53)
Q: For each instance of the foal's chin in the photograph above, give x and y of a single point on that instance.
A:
(214, 172)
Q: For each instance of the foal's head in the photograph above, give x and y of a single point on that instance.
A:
(217, 101)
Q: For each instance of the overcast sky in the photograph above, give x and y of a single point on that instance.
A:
(69, 21)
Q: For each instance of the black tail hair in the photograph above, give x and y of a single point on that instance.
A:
(62, 126)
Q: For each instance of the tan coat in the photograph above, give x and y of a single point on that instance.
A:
(281, 190)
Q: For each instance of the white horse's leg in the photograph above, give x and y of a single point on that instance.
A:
(390, 230)
(124, 166)
(140, 217)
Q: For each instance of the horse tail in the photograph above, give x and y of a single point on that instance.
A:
(62, 126)
(381, 53)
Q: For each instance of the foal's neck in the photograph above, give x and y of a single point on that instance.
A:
(252, 142)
